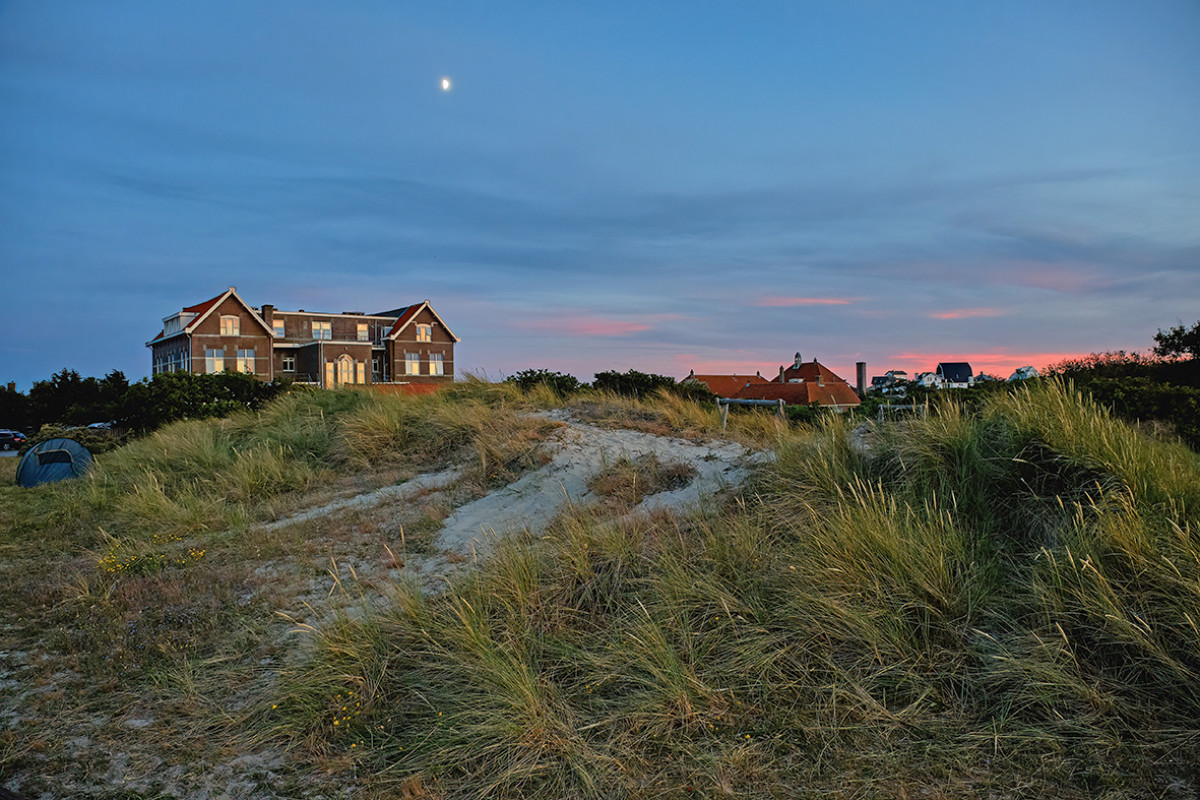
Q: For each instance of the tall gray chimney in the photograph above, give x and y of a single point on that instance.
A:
(861, 369)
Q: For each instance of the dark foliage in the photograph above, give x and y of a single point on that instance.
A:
(172, 396)
(1163, 387)
(563, 385)
(69, 399)
(644, 384)
(1178, 342)
(66, 402)
(14, 408)
(1120, 365)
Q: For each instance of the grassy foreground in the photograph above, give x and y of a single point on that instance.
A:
(994, 604)
(1002, 604)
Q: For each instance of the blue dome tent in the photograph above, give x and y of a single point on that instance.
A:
(53, 460)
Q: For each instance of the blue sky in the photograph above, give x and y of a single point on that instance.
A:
(608, 185)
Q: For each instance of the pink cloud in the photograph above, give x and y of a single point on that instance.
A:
(582, 326)
(1065, 279)
(787, 302)
(968, 313)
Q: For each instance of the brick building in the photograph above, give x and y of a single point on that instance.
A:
(404, 345)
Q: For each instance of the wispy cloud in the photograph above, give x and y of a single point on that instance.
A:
(582, 326)
(786, 302)
(968, 313)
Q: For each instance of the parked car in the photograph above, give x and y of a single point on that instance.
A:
(11, 440)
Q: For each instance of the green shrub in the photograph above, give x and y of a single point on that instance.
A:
(562, 385)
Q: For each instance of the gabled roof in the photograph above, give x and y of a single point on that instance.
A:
(405, 317)
(810, 371)
(202, 310)
(724, 385)
(955, 371)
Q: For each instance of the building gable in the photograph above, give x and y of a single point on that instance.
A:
(408, 315)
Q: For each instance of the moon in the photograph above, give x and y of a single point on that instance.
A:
(445, 84)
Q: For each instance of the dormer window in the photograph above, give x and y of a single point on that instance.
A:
(278, 327)
(363, 334)
(424, 333)
(230, 325)
(321, 329)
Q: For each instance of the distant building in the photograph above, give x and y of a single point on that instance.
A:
(724, 385)
(954, 374)
(408, 345)
(1023, 373)
(929, 380)
(893, 382)
(801, 384)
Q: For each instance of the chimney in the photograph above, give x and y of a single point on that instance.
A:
(860, 368)
(781, 373)
(268, 313)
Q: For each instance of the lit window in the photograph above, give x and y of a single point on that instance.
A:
(363, 334)
(436, 364)
(322, 330)
(412, 363)
(289, 363)
(278, 324)
(214, 360)
(230, 326)
(245, 361)
(424, 333)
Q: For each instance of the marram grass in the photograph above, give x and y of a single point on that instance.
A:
(984, 604)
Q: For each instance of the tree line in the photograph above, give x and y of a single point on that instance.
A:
(67, 399)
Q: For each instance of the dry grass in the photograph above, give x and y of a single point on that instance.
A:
(624, 483)
(987, 605)
(980, 609)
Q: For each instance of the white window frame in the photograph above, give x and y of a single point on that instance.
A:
(412, 363)
(214, 360)
(437, 364)
(289, 363)
(424, 333)
(322, 329)
(231, 325)
(245, 360)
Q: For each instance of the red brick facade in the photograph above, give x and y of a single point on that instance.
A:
(405, 345)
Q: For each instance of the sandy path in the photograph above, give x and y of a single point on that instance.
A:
(580, 452)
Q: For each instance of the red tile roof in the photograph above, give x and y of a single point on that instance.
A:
(200, 308)
(802, 394)
(810, 382)
(405, 315)
(725, 385)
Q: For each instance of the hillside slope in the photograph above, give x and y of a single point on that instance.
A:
(988, 604)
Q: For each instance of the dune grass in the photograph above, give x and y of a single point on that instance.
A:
(986, 603)
(979, 605)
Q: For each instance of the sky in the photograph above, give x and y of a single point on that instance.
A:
(661, 186)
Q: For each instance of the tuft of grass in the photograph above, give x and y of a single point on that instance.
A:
(626, 481)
